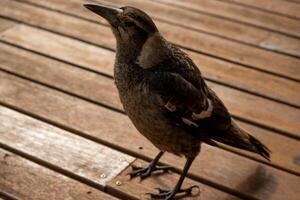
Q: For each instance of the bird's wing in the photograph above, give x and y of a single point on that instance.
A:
(173, 92)
(197, 107)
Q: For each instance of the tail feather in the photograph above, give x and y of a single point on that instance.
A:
(239, 138)
(260, 147)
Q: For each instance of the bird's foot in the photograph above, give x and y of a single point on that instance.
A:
(170, 194)
(144, 172)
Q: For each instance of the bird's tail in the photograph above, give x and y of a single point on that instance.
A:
(239, 138)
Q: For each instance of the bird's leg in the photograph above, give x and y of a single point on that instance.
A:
(170, 194)
(144, 172)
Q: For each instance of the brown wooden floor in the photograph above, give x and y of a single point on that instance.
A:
(64, 135)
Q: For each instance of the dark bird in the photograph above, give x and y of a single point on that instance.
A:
(165, 96)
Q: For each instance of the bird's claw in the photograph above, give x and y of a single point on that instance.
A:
(144, 172)
(170, 194)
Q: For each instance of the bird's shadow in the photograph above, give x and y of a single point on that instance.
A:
(260, 184)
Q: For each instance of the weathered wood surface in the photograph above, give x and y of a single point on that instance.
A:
(247, 79)
(283, 7)
(197, 21)
(33, 137)
(257, 110)
(69, 79)
(243, 14)
(115, 129)
(68, 151)
(23, 179)
(235, 52)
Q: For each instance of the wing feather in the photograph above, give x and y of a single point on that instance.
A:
(175, 92)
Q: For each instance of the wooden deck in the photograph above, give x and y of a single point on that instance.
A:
(64, 135)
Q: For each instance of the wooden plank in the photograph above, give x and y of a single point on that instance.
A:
(217, 166)
(282, 7)
(82, 83)
(70, 79)
(214, 69)
(17, 169)
(61, 148)
(198, 41)
(166, 182)
(24, 179)
(63, 76)
(247, 79)
(243, 14)
(250, 107)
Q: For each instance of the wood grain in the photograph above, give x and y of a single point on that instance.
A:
(198, 21)
(218, 70)
(282, 7)
(215, 165)
(82, 83)
(25, 169)
(24, 179)
(5, 25)
(228, 50)
(243, 14)
(61, 148)
(250, 107)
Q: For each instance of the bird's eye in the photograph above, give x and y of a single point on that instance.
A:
(129, 23)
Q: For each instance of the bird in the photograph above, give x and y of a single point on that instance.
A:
(166, 98)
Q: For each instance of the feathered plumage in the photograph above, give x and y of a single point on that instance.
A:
(165, 96)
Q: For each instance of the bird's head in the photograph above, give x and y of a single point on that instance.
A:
(131, 26)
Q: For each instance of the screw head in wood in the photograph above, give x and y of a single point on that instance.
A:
(118, 183)
(103, 176)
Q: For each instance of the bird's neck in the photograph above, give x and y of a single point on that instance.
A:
(147, 53)
(153, 52)
(128, 49)
(126, 54)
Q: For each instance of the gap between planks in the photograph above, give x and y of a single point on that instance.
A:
(291, 9)
(212, 79)
(236, 13)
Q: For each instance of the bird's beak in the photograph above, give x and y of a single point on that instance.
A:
(109, 13)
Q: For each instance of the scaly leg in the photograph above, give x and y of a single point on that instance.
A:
(170, 194)
(144, 172)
